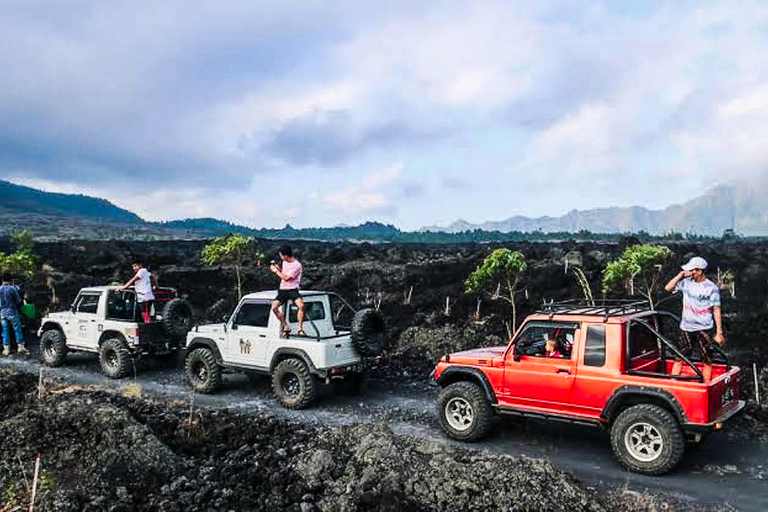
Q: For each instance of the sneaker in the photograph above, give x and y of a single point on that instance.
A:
(22, 351)
(6, 351)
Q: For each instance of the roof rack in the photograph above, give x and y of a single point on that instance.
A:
(605, 307)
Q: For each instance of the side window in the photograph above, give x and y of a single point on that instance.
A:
(88, 303)
(547, 339)
(594, 349)
(641, 341)
(312, 311)
(120, 305)
(254, 314)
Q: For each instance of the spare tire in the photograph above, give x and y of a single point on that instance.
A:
(368, 332)
(177, 318)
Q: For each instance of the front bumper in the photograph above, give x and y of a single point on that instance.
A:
(735, 409)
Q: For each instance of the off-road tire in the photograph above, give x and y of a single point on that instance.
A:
(647, 439)
(294, 387)
(202, 371)
(177, 318)
(53, 348)
(464, 411)
(368, 332)
(115, 359)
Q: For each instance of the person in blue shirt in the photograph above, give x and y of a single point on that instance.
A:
(10, 302)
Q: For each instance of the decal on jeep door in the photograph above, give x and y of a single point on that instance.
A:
(245, 346)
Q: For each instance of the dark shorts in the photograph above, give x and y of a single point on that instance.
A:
(285, 295)
(700, 340)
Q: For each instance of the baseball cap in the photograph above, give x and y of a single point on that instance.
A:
(694, 263)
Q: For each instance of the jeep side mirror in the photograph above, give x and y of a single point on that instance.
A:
(234, 327)
(516, 357)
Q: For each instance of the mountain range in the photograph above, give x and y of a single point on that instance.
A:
(740, 207)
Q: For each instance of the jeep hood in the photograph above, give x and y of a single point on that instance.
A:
(478, 355)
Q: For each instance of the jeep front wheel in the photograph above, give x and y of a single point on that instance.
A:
(115, 359)
(294, 387)
(53, 348)
(202, 372)
(464, 411)
(647, 439)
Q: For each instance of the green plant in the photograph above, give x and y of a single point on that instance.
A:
(638, 262)
(233, 249)
(498, 276)
(23, 261)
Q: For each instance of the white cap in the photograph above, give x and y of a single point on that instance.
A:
(694, 263)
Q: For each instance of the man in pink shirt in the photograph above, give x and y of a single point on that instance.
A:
(290, 278)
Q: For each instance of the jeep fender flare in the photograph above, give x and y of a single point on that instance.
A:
(112, 334)
(51, 325)
(633, 395)
(456, 373)
(285, 353)
(207, 343)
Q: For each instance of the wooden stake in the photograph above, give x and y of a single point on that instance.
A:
(757, 388)
(34, 484)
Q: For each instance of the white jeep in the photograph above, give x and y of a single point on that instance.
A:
(251, 341)
(107, 321)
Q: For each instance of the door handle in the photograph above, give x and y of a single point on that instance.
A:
(262, 335)
(564, 370)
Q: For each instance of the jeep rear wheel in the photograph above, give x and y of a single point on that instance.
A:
(202, 372)
(53, 348)
(293, 385)
(115, 359)
(647, 439)
(464, 411)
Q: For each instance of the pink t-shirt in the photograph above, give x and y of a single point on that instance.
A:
(293, 270)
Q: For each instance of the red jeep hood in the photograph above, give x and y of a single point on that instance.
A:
(472, 356)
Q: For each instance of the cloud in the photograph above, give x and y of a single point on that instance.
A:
(366, 197)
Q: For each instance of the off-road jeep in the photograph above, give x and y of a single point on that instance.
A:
(614, 370)
(107, 321)
(338, 346)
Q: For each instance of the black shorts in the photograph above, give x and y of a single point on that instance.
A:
(701, 341)
(285, 295)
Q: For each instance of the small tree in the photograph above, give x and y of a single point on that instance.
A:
(23, 261)
(498, 276)
(643, 263)
(233, 249)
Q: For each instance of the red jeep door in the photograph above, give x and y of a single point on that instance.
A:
(533, 378)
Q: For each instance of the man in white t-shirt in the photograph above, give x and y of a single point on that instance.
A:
(143, 283)
(701, 312)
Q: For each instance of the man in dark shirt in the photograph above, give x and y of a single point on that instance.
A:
(10, 301)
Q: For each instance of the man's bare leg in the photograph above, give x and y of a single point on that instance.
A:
(706, 370)
(677, 367)
(279, 314)
(300, 306)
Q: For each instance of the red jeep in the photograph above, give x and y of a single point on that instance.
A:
(612, 367)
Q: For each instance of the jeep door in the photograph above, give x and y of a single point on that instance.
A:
(531, 378)
(82, 330)
(248, 334)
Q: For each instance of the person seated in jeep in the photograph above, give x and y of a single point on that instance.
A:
(551, 349)
(290, 279)
(701, 312)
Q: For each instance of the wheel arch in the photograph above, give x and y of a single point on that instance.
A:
(50, 325)
(458, 373)
(204, 343)
(112, 334)
(627, 396)
(287, 353)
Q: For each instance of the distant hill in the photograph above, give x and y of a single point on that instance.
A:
(17, 198)
(742, 207)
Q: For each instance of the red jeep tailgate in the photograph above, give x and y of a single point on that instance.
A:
(723, 392)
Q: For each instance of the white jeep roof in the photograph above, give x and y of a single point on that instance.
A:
(99, 288)
(271, 294)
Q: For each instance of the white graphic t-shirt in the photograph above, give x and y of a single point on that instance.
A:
(143, 286)
(698, 301)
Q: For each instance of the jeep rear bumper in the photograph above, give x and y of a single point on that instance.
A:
(718, 423)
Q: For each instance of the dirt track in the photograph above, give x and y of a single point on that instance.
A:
(729, 471)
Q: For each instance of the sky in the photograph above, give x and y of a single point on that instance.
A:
(409, 113)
